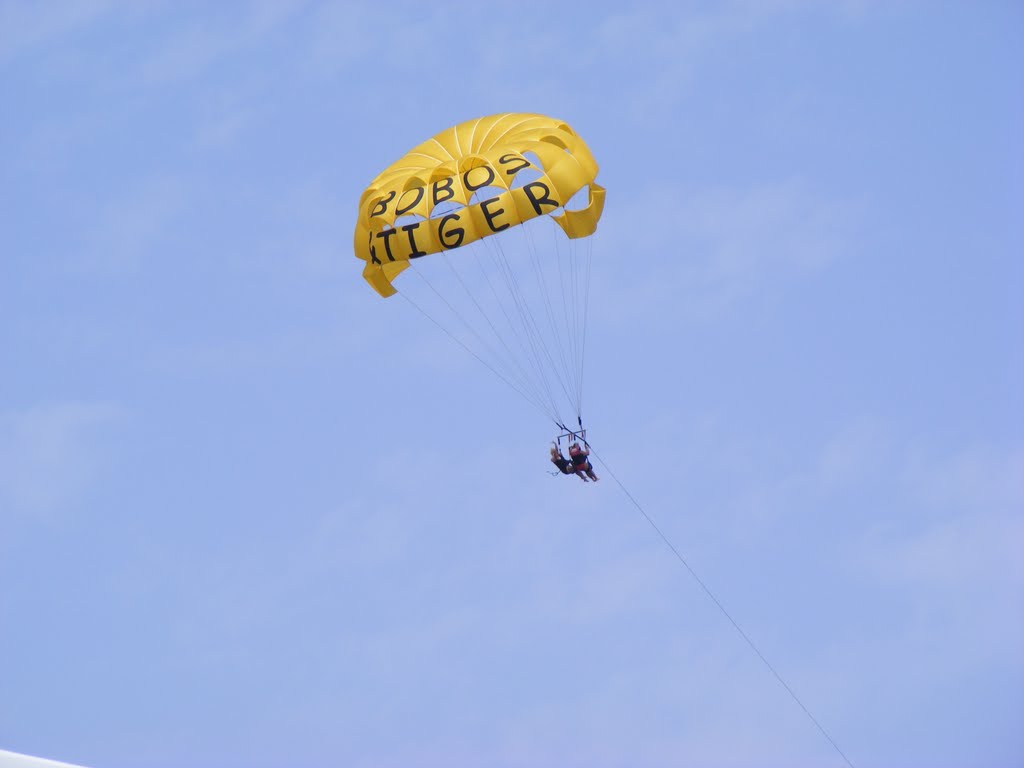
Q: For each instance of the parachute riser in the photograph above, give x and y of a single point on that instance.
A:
(571, 436)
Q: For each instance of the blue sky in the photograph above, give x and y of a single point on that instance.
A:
(253, 515)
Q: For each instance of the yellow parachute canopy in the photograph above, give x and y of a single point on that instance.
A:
(398, 218)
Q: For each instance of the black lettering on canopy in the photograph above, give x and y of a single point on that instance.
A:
(538, 193)
(373, 251)
(444, 185)
(458, 234)
(515, 162)
(490, 215)
(410, 230)
(386, 236)
(474, 187)
(402, 210)
(382, 204)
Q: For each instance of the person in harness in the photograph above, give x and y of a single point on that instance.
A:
(564, 465)
(580, 463)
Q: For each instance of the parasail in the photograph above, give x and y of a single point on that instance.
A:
(489, 215)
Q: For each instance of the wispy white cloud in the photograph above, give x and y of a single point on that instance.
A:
(350, 34)
(190, 51)
(127, 223)
(291, 350)
(968, 544)
(934, 535)
(663, 47)
(715, 248)
(50, 453)
(915, 544)
(24, 26)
